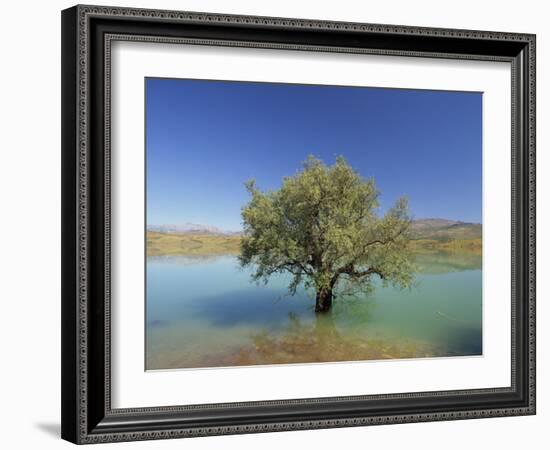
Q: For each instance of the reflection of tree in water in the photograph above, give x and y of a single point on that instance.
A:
(320, 341)
(354, 310)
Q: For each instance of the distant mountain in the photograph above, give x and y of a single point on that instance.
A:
(429, 224)
(443, 229)
(190, 228)
(435, 229)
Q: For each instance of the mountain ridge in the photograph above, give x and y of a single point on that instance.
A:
(445, 229)
(190, 228)
(426, 228)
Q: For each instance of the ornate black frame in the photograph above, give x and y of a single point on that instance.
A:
(87, 32)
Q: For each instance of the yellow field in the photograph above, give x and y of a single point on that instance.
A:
(191, 244)
(455, 245)
(210, 244)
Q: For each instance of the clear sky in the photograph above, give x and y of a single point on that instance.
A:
(206, 138)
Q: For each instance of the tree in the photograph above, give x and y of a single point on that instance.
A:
(322, 228)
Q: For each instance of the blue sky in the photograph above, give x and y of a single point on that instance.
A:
(206, 138)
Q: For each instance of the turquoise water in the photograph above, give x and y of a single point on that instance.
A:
(206, 312)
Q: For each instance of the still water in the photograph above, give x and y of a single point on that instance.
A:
(205, 312)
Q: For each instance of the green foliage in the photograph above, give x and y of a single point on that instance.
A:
(321, 227)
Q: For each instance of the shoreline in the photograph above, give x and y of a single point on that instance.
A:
(195, 244)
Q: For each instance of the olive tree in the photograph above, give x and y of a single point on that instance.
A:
(322, 228)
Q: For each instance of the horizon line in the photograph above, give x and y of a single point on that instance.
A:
(234, 230)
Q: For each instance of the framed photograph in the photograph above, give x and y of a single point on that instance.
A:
(277, 224)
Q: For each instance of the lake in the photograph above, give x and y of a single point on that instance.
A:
(204, 311)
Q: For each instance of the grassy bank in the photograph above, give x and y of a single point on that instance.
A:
(212, 244)
(191, 244)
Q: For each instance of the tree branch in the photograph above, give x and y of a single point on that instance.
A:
(356, 274)
(387, 241)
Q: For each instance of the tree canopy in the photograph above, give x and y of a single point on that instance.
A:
(322, 227)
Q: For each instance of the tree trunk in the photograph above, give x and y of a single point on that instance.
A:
(323, 300)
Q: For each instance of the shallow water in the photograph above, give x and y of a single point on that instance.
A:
(206, 312)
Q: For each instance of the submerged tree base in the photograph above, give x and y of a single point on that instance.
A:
(323, 301)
